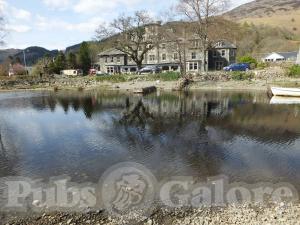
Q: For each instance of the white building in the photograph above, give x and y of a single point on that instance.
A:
(71, 72)
(298, 58)
(281, 56)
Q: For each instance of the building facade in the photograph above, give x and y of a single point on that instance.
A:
(165, 56)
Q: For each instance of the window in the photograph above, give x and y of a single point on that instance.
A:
(110, 70)
(163, 46)
(112, 59)
(215, 53)
(220, 44)
(194, 56)
(164, 57)
(151, 57)
(106, 59)
(193, 66)
(232, 52)
(118, 59)
(175, 56)
(196, 44)
(223, 52)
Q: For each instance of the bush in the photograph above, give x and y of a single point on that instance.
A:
(294, 71)
(248, 59)
(262, 65)
(238, 75)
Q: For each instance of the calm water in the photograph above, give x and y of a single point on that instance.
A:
(45, 134)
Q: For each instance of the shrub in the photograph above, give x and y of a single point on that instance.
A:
(248, 59)
(169, 76)
(294, 71)
(238, 75)
(262, 65)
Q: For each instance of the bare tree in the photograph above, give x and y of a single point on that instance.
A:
(202, 14)
(175, 33)
(131, 36)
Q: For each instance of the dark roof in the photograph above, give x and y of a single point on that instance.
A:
(224, 44)
(111, 51)
(288, 55)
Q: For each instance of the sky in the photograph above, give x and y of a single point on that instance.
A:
(57, 24)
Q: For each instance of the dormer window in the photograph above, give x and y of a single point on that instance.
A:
(220, 44)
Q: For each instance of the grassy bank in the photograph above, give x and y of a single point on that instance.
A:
(118, 78)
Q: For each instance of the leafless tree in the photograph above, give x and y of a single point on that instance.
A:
(131, 36)
(202, 14)
(175, 34)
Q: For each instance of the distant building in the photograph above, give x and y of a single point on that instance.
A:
(221, 54)
(281, 56)
(298, 58)
(71, 72)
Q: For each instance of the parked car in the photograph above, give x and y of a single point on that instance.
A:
(237, 67)
(92, 72)
(150, 69)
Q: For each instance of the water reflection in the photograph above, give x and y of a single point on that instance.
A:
(197, 134)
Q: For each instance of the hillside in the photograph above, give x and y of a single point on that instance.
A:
(277, 13)
(33, 54)
(4, 54)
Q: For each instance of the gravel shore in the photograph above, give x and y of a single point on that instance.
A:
(243, 215)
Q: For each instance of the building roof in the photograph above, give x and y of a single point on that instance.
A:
(288, 55)
(224, 44)
(111, 51)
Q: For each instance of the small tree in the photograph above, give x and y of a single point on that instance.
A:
(248, 59)
(131, 37)
(71, 61)
(59, 63)
(84, 58)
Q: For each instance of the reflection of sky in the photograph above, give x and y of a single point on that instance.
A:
(41, 143)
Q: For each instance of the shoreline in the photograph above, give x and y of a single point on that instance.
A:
(242, 214)
(255, 85)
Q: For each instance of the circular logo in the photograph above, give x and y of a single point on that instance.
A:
(128, 187)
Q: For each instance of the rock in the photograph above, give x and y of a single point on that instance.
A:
(36, 203)
(69, 221)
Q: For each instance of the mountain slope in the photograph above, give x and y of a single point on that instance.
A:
(4, 54)
(33, 54)
(279, 13)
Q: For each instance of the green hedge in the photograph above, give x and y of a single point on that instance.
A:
(294, 71)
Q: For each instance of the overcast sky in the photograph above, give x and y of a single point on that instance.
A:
(56, 24)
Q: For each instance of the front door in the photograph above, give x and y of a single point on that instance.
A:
(219, 65)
